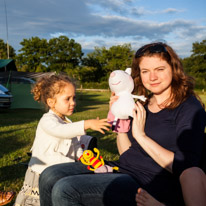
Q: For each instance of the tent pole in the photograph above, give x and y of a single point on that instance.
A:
(7, 33)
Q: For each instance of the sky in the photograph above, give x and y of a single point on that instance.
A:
(106, 23)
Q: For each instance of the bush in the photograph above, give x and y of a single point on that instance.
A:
(94, 85)
(200, 83)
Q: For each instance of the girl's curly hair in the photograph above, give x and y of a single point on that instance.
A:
(48, 86)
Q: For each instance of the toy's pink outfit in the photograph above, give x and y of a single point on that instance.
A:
(122, 125)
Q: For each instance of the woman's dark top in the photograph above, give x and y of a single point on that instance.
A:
(180, 130)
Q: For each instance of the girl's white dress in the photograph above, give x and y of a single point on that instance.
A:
(56, 142)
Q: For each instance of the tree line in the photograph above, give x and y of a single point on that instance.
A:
(65, 55)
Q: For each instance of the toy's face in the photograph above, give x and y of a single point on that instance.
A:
(120, 81)
(87, 154)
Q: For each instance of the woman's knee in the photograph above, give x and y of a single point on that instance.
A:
(45, 176)
(49, 177)
(191, 173)
(65, 191)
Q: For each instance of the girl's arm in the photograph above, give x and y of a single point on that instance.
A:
(158, 153)
(97, 124)
(52, 126)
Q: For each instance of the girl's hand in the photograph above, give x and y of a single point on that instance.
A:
(139, 118)
(113, 99)
(97, 124)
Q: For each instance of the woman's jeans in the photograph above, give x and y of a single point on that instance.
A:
(72, 184)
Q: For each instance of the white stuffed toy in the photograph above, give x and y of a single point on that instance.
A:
(122, 84)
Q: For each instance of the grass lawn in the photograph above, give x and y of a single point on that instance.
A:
(17, 131)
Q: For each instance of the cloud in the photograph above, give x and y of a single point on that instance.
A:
(94, 22)
(141, 11)
(111, 26)
(172, 11)
(116, 6)
(57, 34)
(126, 8)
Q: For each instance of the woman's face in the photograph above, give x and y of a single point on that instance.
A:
(156, 74)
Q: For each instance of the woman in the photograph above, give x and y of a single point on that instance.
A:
(165, 138)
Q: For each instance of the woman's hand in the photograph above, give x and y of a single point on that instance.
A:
(139, 118)
(113, 99)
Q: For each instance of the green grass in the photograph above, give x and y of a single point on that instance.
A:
(202, 95)
(17, 131)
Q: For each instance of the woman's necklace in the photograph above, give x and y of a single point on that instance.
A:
(163, 104)
(157, 107)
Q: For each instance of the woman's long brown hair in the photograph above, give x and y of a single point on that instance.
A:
(182, 85)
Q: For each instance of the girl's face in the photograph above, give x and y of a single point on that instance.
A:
(156, 75)
(65, 101)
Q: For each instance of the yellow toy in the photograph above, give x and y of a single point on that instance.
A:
(88, 158)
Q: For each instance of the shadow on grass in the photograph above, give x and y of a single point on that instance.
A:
(12, 143)
(12, 172)
(19, 116)
(89, 101)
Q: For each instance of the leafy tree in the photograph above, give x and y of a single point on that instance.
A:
(119, 57)
(64, 54)
(107, 60)
(3, 51)
(196, 64)
(87, 74)
(92, 67)
(33, 54)
(58, 54)
(199, 49)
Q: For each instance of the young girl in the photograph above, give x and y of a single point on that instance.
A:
(56, 136)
